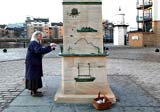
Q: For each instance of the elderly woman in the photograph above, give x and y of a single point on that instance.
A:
(34, 72)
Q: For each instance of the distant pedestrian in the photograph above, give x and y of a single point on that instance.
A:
(33, 63)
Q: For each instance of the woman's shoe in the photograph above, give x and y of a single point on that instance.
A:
(37, 94)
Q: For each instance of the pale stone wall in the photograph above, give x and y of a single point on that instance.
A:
(70, 71)
(90, 16)
(115, 36)
(119, 34)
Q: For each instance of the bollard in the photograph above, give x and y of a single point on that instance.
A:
(157, 50)
(5, 50)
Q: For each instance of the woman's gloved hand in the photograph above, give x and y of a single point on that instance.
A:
(53, 45)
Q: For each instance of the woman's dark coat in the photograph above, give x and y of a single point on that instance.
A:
(34, 60)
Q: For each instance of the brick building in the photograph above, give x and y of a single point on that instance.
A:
(57, 29)
(148, 23)
(52, 31)
(34, 24)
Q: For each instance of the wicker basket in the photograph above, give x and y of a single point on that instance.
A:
(104, 104)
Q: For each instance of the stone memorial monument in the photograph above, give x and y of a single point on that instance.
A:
(83, 59)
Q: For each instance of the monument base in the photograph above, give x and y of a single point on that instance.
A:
(60, 97)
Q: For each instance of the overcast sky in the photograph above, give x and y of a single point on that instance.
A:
(15, 11)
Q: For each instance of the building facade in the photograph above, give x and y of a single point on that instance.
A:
(144, 15)
(57, 30)
(34, 24)
(108, 31)
(52, 31)
(148, 23)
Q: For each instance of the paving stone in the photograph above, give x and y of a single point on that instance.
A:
(129, 93)
(1, 98)
(15, 93)
(3, 101)
(63, 108)
(5, 92)
(12, 90)
(32, 101)
(9, 100)
(1, 109)
(25, 93)
(90, 108)
(29, 109)
(20, 90)
(3, 89)
(2, 105)
(9, 96)
(142, 109)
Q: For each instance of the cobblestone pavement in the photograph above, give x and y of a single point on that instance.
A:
(126, 65)
(145, 74)
(11, 79)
